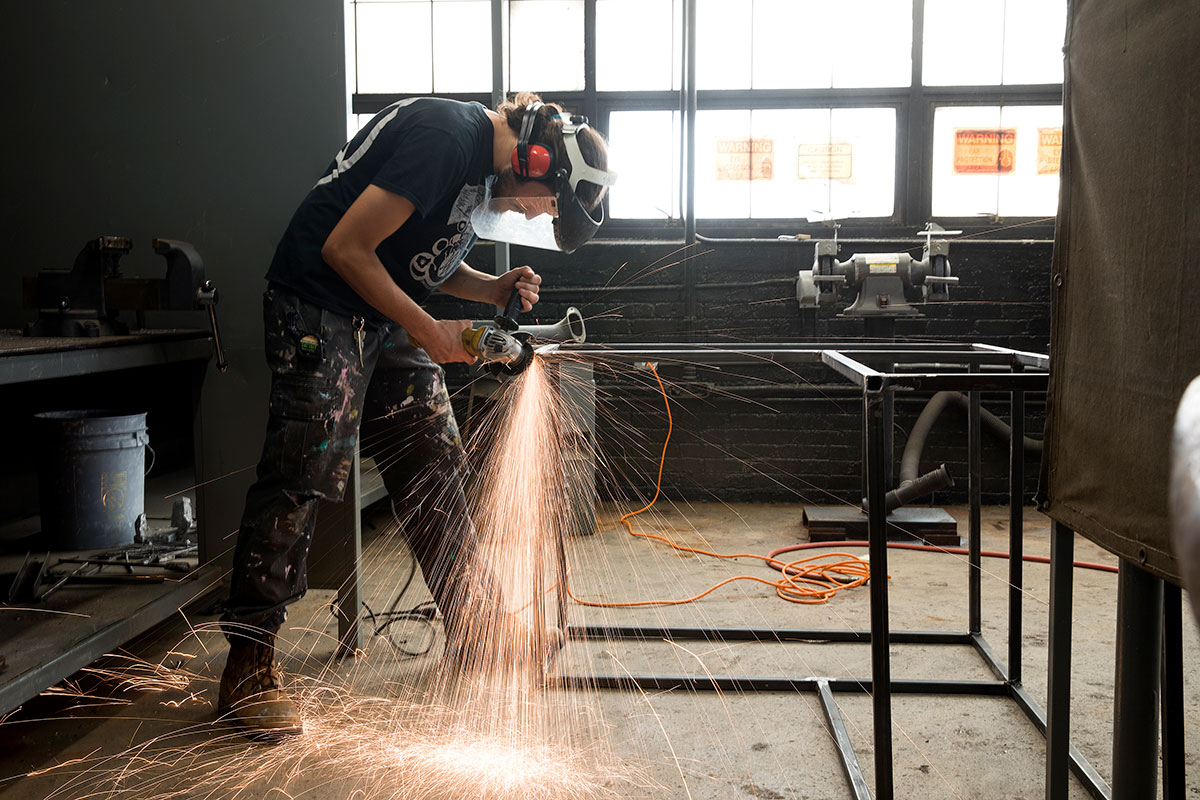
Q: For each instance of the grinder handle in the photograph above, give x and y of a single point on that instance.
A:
(508, 320)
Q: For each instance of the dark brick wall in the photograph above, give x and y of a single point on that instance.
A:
(772, 432)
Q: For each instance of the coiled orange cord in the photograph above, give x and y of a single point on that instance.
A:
(805, 580)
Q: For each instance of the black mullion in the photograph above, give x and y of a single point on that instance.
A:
(801, 98)
(590, 108)
(915, 201)
(373, 103)
(432, 55)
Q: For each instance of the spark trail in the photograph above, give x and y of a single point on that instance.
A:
(478, 723)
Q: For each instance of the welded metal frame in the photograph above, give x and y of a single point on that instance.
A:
(972, 368)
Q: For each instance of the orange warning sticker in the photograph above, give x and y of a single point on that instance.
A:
(832, 161)
(985, 150)
(1049, 152)
(745, 159)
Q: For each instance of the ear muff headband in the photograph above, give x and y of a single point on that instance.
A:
(531, 161)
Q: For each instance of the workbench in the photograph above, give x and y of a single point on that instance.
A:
(159, 371)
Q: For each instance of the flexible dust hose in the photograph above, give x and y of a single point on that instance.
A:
(908, 491)
(910, 461)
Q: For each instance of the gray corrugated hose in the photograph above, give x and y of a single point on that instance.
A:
(910, 461)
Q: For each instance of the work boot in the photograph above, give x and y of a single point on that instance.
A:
(251, 693)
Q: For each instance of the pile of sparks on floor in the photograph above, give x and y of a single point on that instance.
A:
(368, 748)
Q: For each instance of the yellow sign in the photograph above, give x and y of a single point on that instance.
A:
(1049, 152)
(989, 150)
(745, 159)
(833, 161)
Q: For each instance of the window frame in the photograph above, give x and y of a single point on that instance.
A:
(914, 105)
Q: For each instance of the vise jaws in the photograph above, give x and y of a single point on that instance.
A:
(84, 300)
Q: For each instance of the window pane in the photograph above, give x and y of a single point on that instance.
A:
(383, 64)
(963, 42)
(723, 44)
(462, 45)
(637, 45)
(725, 164)
(781, 61)
(1033, 41)
(988, 42)
(1031, 190)
(355, 122)
(870, 136)
(643, 148)
(880, 52)
(545, 45)
(790, 164)
(994, 161)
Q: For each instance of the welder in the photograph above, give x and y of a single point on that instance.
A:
(386, 225)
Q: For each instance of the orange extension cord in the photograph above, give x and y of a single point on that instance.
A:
(802, 580)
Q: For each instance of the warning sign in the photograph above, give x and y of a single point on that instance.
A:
(985, 150)
(745, 159)
(1049, 152)
(833, 161)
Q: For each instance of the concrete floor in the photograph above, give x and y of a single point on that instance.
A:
(677, 744)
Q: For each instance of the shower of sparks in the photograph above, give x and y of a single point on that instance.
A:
(371, 748)
(483, 727)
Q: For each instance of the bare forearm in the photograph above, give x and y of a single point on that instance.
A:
(467, 283)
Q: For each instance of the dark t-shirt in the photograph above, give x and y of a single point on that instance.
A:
(435, 152)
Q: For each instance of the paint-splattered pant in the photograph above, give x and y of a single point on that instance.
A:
(322, 396)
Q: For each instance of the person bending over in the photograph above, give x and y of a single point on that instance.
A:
(388, 223)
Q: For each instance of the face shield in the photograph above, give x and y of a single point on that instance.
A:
(558, 222)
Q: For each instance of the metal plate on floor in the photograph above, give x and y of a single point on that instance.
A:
(840, 523)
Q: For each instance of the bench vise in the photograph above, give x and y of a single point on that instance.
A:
(84, 300)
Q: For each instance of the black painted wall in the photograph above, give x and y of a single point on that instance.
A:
(772, 433)
(201, 120)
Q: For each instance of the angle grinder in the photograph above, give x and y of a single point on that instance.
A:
(501, 351)
(497, 344)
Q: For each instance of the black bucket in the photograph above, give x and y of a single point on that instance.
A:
(91, 477)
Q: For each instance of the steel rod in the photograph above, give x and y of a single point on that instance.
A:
(778, 635)
(1034, 360)
(1058, 680)
(985, 651)
(1016, 534)
(854, 371)
(1174, 767)
(1096, 786)
(974, 526)
(876, 419)
(841, 737)
(1136, 699)
(727, 683)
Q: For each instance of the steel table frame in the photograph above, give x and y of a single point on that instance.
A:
(28, 360)
(934, 367)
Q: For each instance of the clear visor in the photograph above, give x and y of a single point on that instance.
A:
(517, 220)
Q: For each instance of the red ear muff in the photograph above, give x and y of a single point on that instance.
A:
(532, 161)
(536, 163)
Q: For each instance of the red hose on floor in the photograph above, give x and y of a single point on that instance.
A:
(961, 551)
